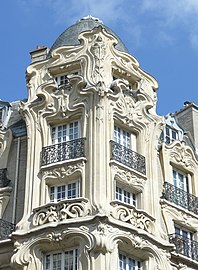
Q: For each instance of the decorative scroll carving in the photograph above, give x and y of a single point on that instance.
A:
(129, 177)
(182, 155)
(136, 218)
(57, 212)
(63, 171)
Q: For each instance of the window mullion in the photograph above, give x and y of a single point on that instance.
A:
(63, 261)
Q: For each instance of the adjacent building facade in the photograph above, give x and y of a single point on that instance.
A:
(90, 176)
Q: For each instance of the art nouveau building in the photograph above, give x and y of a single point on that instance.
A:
(90, 176)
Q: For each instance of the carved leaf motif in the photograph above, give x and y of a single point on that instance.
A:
(60, 212)
(130, 215)
(63, 171)
(127, 176)
(183, 155)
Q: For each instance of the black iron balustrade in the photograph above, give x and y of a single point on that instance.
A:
(180, 197)
(4, 181)
(128, 157)
(185, 246)
(63, 151)
(6, 228)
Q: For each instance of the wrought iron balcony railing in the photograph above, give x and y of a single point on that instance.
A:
(4, 181)
(6, 228)
(184, 246)
(63, 151)
(128, 157)
(180, 197)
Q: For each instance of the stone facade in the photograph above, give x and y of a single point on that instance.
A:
(92, 178)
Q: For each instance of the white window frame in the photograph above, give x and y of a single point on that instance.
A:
(62, 79)
(128, 263)
(170, 134)
(183, 232)
(49, 260)
(54, 191)
(123, 195)
(124, 137)
(180, 180)
(65, 132)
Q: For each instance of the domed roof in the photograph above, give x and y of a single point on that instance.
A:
(70, 35)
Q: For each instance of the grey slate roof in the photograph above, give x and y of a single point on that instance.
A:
(70, 35)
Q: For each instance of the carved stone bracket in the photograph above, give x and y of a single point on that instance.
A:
(136, 218)
(62, 211)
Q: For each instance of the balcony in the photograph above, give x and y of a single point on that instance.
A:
(63, 151)
(128, 157)
(6, 228)
(184, 246)
(4, 181)
(180, 197)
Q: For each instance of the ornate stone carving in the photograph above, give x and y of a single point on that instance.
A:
(136, 218)
(182, 155)
(129, 177)
(62, 171)
(62, 211)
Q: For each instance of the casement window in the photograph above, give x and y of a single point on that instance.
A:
(184, 242)
(125, 196)
(180, 180)
(128, 263)
(66, 132)
(170, 134)
(183, 232)
(67, 260)
(124, 138)
(69, 191)
(62, 80)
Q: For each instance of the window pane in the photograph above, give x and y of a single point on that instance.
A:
(47, 262)
(125, 196)
(56, 261)
(69, 260)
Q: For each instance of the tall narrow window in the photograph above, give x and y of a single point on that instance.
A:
(125, 196)
(127, 263)
(67, 260)
(184, 241)
(64, 133)
(69, 191)
(180, 180)
(170, 134)
(122, 137)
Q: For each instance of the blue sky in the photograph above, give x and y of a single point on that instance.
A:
(162, 35)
